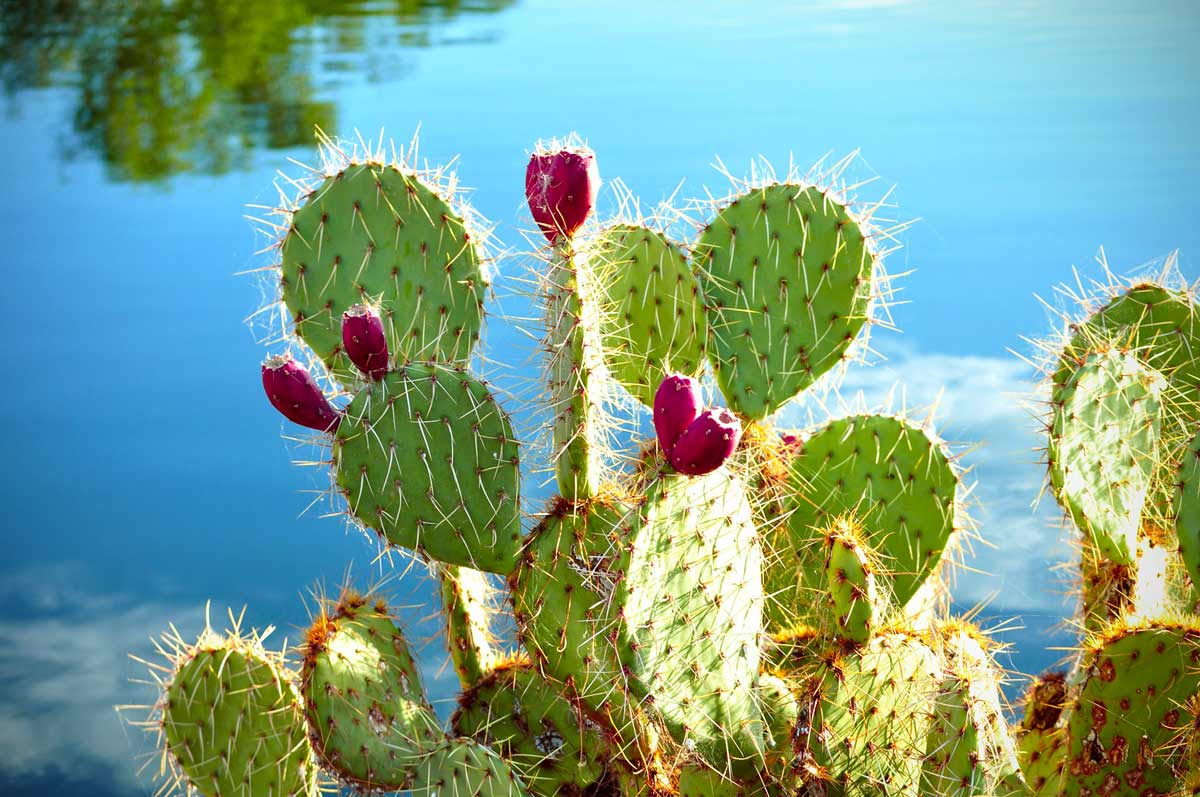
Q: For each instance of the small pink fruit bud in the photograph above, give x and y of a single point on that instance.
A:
(294, 392)
(364, 341)
(707, 442)
(561, 187)
(677, 403)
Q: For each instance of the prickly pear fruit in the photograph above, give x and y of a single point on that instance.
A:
(367, 713)
(706, 443)
(677, 403)
(561, 184)
(292, 390)
(364, 341)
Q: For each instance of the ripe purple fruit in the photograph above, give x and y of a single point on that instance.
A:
(676, 404)
(292, 390)
(561, 187)
(707, 442)
(364, 342)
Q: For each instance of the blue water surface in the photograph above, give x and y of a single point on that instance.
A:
(146, 474)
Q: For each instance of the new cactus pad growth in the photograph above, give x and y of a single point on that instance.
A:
(732, 608)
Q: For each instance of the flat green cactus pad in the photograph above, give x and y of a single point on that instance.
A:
(1161, 326)
(786, 274)
(1042, 754)
(465, 768)
(369, 720)
(968, 750)
(691, 611)
(538, 731)
(562, 591)
(372, 233)
(652, 320)
(1130, 715)
(1102, 443)
(871, 724)
(898, 483)
(1187, 508)
(232, 721)
(427, 457)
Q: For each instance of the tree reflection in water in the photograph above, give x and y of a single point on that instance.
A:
(169, 86)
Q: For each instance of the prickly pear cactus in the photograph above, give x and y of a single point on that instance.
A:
(728, 608)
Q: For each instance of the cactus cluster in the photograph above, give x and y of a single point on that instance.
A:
(730, 607)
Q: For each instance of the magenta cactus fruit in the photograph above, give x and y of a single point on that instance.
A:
(292, 390)
(707, 442)
(364, 341)
(676, 404)
(561, 186)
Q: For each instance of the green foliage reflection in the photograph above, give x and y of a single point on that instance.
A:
(169, 86)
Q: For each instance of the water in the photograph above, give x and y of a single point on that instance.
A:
(145, 472)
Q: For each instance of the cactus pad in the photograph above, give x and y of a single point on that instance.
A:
(232, 721)
(427, 457)
(369, 720)
(894, 478)
(786, 273)
(533, 726)
(373, 233)
(690, 605)
(1187, 507)
(1102, 441)
(870, 727)
(652, 323)
(561, 597)
(968, 749)
(1126, 729)
(465, 768)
